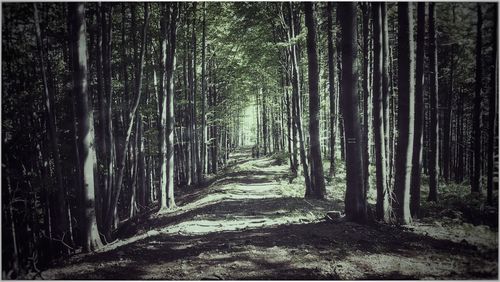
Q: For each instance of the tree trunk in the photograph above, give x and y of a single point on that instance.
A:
(296, 102)
(492, 111)
(355, 200)
(406, 110)
(419, 114)
(366, 93)
(476, 123)
(331, 82)
(60, 197)
(168, 201)
(433, 96)
(317, 177)
(383, 205)
(387, 83)
(204, 158)
(131, 119)
(91, 239)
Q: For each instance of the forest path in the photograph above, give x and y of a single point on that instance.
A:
(250, 223)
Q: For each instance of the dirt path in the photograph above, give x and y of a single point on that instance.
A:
(248, 225)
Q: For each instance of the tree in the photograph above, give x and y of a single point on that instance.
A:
(433, 112)
(131, 119)
(387, 90)
(492, 110)
(419, 113)
(476, 123)
(331, 88)
(59, 201)
(90, 233)
(406, 110)
(203, 156)
(355, 200)
(296, 97)
(317, 177)
(448, 97)
(167, 193)
(383, 205)
(366, 31)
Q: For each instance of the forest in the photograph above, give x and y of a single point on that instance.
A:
(249, 140)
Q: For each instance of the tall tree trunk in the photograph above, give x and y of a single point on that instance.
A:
(91, 239)
(448, 98)
(106, 30)
(196, 147)
(492, 110)
(366, 93)
(355, 200)
(204, 158)
(296, 101)
(331, 82)
(406, 110)
(433, 96)
(419, 114)
(141, 165)
(476, 127)
(387, 83)
(317, 177)
(131, 118)
(60, 197)
(383, 205)
(167, 200)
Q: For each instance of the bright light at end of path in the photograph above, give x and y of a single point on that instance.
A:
(248, 126)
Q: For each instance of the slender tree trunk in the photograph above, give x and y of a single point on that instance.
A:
(317, 177)
(383, 205)
(476, 128)
(419, 114)
(355, 200)
(448, 98)
(433, 95)
(169, 201)
(492, 110)
(406, 110)
(296, 103)
(204, 158)
(196, 147)
(366, 93)
(131, 119)
(91, 239)
(387, 86)
(106, 30)
(331, 82)
(60, 199)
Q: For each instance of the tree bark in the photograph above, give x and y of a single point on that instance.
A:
(204, 158)
(331, 88)
(355, 200)
(382, 205)
(366, 93)
(60, 205)
(317, 177)
(433, 96)
(296, 102)
(419, 114)
(476, 123)
(406, 110)
(131, 118)
(91, 239)
(386, 91)
(492, 110)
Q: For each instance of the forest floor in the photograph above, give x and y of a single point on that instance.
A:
(251, 223)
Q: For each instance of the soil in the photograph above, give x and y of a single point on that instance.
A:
(249, 222)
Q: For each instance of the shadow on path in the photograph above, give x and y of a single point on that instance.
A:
(244, 225)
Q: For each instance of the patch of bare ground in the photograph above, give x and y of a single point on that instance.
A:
(249, 222)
